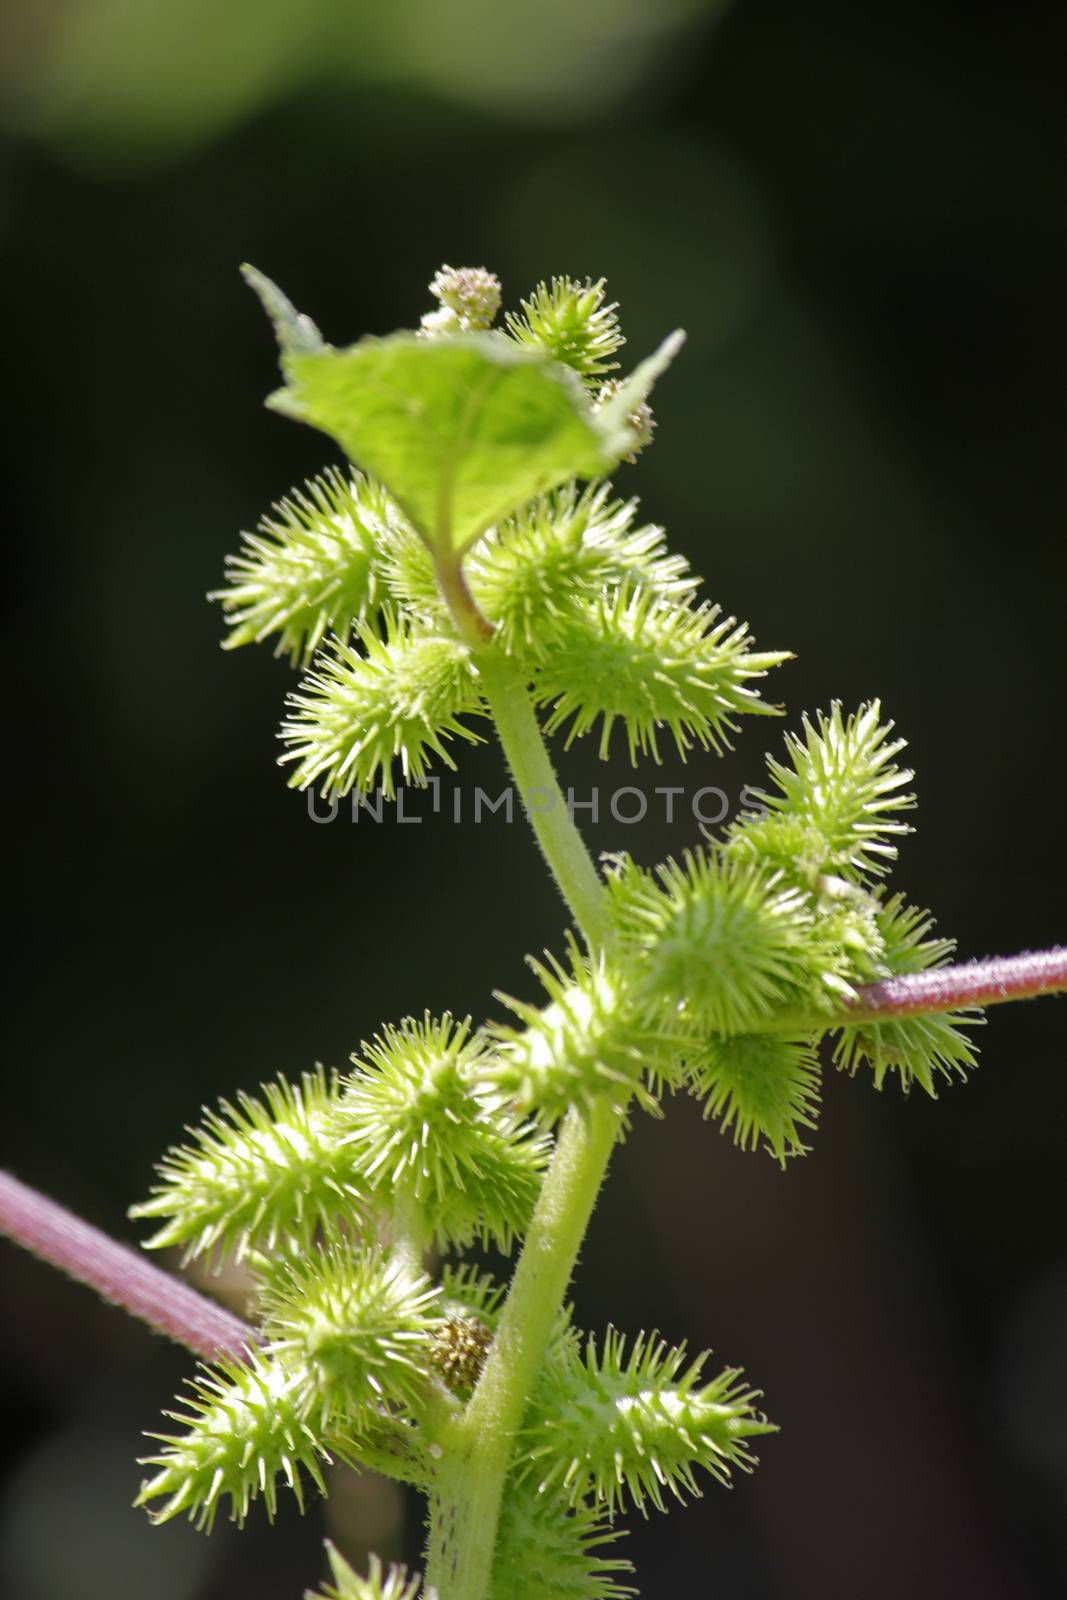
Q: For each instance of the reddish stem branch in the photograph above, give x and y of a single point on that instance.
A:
(976, 983)
(119, 1274)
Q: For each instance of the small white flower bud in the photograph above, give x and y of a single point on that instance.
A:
(469, 300)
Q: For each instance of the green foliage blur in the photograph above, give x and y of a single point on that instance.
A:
(857, 214)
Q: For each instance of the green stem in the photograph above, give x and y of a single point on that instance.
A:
(466, 1505)
(478, 1447)
(408, 1235)
(520, 735)
(473, 628)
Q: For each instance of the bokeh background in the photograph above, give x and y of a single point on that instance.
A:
(858, 215)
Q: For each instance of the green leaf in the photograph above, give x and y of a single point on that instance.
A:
(295, 332)
(461, 431)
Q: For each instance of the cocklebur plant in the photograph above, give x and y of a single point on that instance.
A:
(475, 565)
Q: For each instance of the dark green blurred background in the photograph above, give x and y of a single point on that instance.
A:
(858, 215)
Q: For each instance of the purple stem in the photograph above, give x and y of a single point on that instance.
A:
(119, 1274)
(976, 983)
(171, 1307)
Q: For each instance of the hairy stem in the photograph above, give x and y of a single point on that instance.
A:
(409, 1236)
(119, 1275)
(524, 747)
(473, 628)
(973, 983)
(919, 994)
(465, 1508)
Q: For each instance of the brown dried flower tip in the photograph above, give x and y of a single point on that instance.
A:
(461, 1345)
